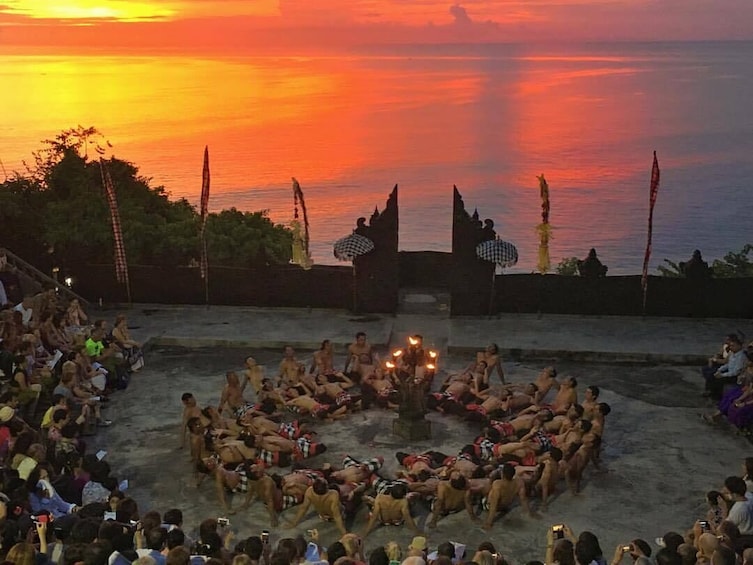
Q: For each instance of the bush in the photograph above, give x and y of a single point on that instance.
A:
(568, 267)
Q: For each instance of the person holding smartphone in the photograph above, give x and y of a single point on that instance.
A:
(560, 541)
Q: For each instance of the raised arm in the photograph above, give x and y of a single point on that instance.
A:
(376, 513)
(469, 505)
(405, 508)
(303, 509)
(220, 488)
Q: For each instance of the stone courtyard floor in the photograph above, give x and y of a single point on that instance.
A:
(659, 458)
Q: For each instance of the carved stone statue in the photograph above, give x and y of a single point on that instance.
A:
(696, 268)
(591, 267)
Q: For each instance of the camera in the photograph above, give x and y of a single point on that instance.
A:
(264, 536)
(223, 521)
(627, 548)
(559, 531)
(705, 527)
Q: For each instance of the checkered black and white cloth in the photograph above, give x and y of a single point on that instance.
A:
(352, 246)
(497, 251)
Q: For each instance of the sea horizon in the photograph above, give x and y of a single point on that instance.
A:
(350, 127)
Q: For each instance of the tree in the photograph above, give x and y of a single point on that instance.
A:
(246, 239)
(59, 205)
(735, 265)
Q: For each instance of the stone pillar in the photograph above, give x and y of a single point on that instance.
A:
(377, 273)
(471, 278)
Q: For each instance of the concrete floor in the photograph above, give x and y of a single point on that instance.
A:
(659, 457)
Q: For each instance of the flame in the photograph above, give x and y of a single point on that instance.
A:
(430, 366)
(433, 354)
(412, 341)
(397, 353)
(389, 365)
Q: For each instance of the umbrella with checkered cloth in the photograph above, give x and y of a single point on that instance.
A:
(352, 246)
(503, 253)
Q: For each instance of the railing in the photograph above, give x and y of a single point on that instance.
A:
(19, 265)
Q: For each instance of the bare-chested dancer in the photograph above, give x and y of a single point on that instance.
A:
(503, 493)
(590, 401)
(335, 394)
(361, 357)
(391, 509)
(454, 390)
(490, 356)
(253, 375)
(453, 495)
(308, 405)
(323, 362)
(190, 410)
(290, 367)
(545, 476)
(566, 397)
(325, 501)
(379, 388)
(232, 396)
(563, 422)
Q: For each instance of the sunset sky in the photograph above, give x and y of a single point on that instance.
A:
(263, 24)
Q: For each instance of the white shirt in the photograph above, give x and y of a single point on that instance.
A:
(741, 515)
(735, 364)
(25, 313)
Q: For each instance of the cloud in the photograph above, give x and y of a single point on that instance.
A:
(461, 15)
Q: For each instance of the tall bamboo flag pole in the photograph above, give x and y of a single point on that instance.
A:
(204, 212)
(655, 176)
(121, 265)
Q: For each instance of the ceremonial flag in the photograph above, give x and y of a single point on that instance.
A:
(655, 175)
(544, 229)
(121, 265)
(300, 251)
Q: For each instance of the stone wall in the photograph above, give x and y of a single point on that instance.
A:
(288, 285)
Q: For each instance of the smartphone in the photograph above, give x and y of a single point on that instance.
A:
(627, 548)
(101, 454)
(41, 519)
(705, 527)
(559, 531)
(264, 536)
(223, 521)
(110, 516)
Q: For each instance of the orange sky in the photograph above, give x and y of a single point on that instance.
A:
(309, 24)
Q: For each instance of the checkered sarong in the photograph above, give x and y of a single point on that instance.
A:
(288, 501)
(243, 483)
(343, 399)
(383, 486)
(484, 449)
(289, 430)
(372, 465)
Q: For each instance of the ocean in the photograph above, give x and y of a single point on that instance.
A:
(487, 118)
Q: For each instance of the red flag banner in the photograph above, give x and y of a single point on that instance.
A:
(121, 265)
(655, 176)
(204, 212)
